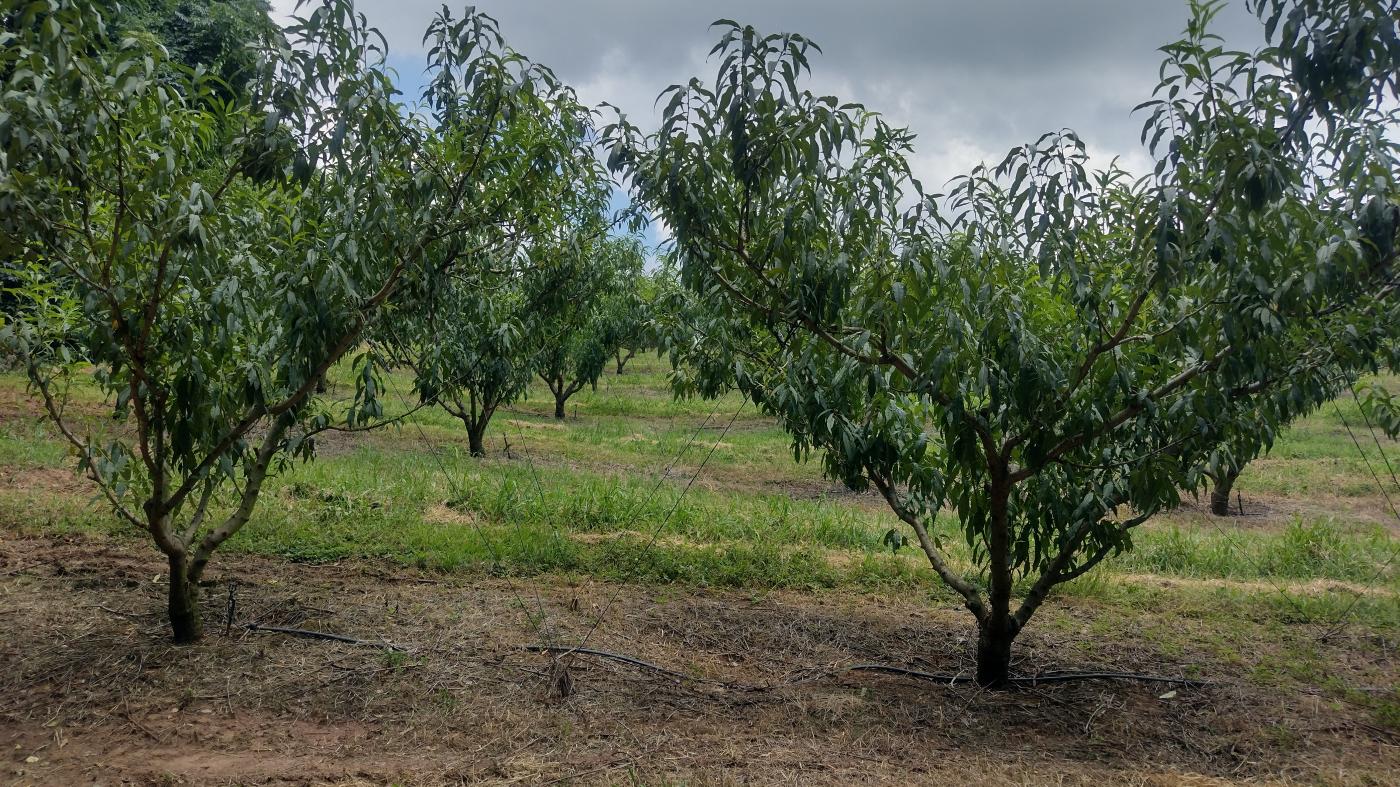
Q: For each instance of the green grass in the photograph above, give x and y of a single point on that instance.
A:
(1314, 549)
(604, 496)
(586, 497)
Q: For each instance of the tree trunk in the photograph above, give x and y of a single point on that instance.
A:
(475, 432)
(994, 652)
(185, 622)
(559, 400)
(997, 630)
(1220, 493)
(623, 359)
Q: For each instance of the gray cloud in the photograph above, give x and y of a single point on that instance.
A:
(971, 78)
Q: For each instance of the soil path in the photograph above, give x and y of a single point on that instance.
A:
(91, 691)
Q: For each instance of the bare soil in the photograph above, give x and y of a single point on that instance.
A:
(1267, 512)
(91, 690)
(46, 480)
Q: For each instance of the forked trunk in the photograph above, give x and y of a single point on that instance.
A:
(185, 622)
(475, 421)
(623, 359)
(1220, 493)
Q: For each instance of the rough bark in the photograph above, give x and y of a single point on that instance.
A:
(475, 433)
(475, 415)
(561, 390)
(994, 651)
(998, 629)
(1220, 493)
(185, 622)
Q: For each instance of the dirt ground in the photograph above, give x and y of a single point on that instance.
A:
(91, 691)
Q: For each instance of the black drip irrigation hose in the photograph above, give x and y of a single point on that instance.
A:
(1042, 679)
(321, 635)
(566, 650)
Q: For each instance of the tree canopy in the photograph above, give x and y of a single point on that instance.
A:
(1054, 354)
(586, 294)
(223, 36)
(211, 303)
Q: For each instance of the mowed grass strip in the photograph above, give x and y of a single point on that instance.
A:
(586, 496)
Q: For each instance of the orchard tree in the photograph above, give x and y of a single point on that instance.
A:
(221, 36)
(1257, 429)
(208, 303)
(714, 345)
(580, 284)
(1050, 354)
(474, 341)
(1308, 390)
(634, 315)
(471, 355)
(1379, 406)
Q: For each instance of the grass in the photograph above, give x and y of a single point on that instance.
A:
(638, 487)
(617, 492)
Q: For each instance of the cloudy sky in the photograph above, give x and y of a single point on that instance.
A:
(972, 78)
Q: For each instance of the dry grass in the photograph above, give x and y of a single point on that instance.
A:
(92, 691)
(90, 687)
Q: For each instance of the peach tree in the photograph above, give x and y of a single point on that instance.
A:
(472, 342)
(1041, 359)
(207, 305)
(581, 283)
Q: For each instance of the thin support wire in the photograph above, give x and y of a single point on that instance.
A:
(656, 531)
(496, 555)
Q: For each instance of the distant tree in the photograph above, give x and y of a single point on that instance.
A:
(1258, 430)
(1051, 354)
(223, 36)
(1305, 391)
(473, 358)
(583, 284)
(640, 313)
(713, 346)
(631, 318)
(210, 303)
(473, 343)
(1379, 406)
(1260, 424)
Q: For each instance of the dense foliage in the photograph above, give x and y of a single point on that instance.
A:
(208, 215)
(1051, 354)
(211, 303)
(471, 354)
(475, 341)
(222, 36)
(586, 287)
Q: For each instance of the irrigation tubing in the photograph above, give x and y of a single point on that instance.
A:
(1041, 679)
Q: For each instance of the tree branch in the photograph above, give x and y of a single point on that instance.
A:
(82, 447)
(256, 474)
(950, 577)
